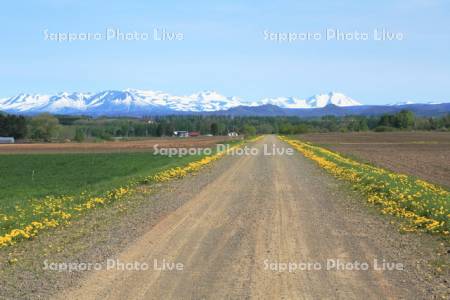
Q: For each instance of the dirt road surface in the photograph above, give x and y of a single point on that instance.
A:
(260, 212)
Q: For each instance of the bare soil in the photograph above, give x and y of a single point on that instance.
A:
(115, 146)
(397, 137)
(425, 155)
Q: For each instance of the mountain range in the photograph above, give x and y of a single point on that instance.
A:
(132, 102)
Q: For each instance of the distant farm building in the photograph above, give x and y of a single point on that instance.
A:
(232, 133)
(181, 133)
(7, 140)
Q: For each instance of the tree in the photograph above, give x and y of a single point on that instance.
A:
(249, 129)
(159, 130)
(79, 135)
(214, 129)
(265, 128)
(363, 125)
(286, 128)
(13, 126)
(43, 127)
(404, 119)
(387, 120)
(301, 128)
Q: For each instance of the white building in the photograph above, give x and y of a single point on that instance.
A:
(232, 133)
(7, 140)
(181, 133)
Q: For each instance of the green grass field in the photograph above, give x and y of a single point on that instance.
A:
(40, 191)
(25, 176)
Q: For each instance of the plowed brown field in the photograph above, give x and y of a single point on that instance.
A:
(422, 154)
(117, 146)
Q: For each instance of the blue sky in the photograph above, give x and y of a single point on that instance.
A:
(224, 48)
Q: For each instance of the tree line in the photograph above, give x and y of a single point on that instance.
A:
(46, 127)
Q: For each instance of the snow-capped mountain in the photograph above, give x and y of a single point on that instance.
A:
(138, 103)
(412, 103)
(402, 103)
(131, 101)
(202, 101)
(335, 98)
(59, 103)
(317, 101)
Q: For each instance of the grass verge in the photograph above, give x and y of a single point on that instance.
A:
(423, 206)
(31, 216)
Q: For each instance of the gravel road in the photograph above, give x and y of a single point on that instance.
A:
(259, 215)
